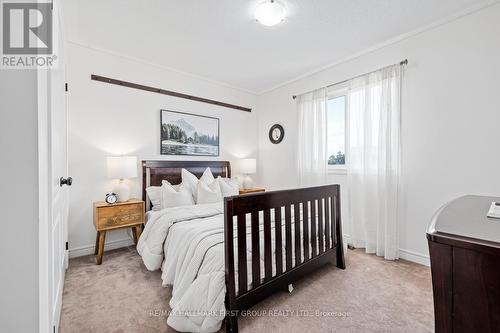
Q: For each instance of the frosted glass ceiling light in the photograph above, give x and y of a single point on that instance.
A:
(270, 13)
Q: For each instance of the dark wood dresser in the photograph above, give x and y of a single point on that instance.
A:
(464, 247)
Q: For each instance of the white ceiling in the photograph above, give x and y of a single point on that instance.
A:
(220, 40)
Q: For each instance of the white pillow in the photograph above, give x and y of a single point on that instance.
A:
(228, 186)
(191, 181)
(154, 195)
(176, 187)
(209, 193)
(207, 177)
(175, 195)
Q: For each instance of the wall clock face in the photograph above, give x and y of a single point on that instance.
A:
(276, 133)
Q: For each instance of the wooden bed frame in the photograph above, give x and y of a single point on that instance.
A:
(321, 240)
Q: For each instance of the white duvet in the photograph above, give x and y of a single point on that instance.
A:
(187, 243)
(150, 245)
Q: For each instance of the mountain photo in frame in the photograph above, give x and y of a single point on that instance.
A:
(188, 134)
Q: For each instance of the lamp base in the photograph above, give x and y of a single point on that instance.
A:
(122, 191)
(247, 182)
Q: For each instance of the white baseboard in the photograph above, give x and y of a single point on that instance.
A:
(414, 257)
(418, 258)
(89, 249)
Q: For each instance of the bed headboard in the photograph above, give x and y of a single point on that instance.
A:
(153, 172)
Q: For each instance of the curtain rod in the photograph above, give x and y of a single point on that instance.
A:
(401, 63)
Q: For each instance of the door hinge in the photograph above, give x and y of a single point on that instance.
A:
(52, 5)
(54, 328)
(66, 86)
(67, 245)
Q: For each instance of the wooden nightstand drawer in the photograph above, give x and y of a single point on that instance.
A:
(109, 217)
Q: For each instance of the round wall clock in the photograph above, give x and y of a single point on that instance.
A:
(276, 133)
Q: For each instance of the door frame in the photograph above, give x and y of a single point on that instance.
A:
(43, 203)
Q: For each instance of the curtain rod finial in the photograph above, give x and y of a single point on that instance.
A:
(294, 96)
(404, 62)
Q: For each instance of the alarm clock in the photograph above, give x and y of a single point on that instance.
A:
(276, 133)
(111, 198)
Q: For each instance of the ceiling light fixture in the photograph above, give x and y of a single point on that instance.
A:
(270, 13)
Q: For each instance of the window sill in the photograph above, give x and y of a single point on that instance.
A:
(337, 171)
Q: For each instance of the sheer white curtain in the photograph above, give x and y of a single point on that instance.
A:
(312, 162)
(374, 160)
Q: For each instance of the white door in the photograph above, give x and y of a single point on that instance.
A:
(56, 232)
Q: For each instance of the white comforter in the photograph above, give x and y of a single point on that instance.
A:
(150, 245)
(187, 243)
(191, 240)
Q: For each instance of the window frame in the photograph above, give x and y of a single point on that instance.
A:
(335, 93)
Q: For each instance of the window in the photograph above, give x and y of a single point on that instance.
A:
(336, 131)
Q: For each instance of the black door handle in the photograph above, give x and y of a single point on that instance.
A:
(65, 181)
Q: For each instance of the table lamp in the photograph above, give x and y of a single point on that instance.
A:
(122, 168)
(247, 166)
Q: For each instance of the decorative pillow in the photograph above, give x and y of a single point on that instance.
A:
(209, 193)
(154, 195)
(228, 186)
(191, 181)
(207, 177)
(175, 195)
(176, 187)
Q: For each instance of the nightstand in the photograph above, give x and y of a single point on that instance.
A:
(128, 214)
(251, 190)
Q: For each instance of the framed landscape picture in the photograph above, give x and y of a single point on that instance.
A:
(188, 134)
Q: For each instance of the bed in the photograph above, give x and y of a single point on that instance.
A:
(224, 258)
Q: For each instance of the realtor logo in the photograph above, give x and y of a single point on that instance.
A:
(27, 30)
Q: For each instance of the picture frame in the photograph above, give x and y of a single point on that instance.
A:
(188, 134)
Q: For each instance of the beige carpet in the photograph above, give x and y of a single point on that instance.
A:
(371, 295)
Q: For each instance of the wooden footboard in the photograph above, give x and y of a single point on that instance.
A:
(303, 243)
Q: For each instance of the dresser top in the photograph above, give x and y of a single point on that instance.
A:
(466, 217)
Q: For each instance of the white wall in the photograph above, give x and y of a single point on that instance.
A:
(19, 201)
(450, 117)
(451, 114)
(108, 120)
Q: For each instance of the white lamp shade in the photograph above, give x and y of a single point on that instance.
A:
(248, 166)
(122, 167)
